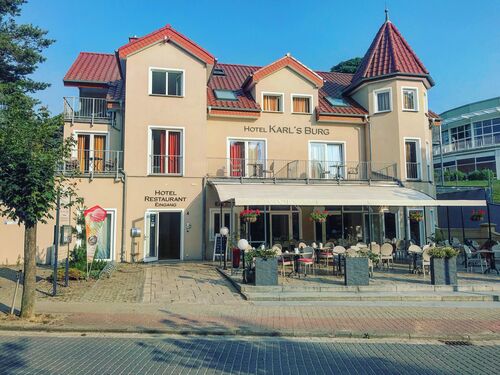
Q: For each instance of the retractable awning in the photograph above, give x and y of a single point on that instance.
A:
(251, 194)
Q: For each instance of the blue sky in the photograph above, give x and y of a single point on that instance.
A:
(458, 40)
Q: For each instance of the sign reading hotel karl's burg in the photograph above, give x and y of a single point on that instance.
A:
(275, 129)
(164, 198)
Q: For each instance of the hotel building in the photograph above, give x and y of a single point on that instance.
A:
(174, 144)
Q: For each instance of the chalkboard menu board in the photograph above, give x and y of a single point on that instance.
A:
(220, 245)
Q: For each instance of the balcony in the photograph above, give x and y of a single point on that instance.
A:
(413, 171)
(469, 144)
(301, 170)
(93, 110)
(93, 162)
(170, 165)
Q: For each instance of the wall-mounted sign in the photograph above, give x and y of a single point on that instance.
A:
(275, 129)
(164, 198)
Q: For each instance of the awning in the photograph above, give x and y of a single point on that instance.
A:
(330, 195)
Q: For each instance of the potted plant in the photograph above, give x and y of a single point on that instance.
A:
(356, 271)
(318, 216)
(264, 264)
(416, 216)
(249, 216)
(477, 215)
(443, 265)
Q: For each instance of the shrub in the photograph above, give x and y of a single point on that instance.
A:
(73, 274)
(454, 175)
(443, 252)
(481, 175)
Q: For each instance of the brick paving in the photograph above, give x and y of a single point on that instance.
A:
(219, 355)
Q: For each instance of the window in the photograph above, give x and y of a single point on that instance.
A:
(246, 158)
(91, 154)
(272, 102)
(225, 95)
(167, 82)
(215, 221)
(445, 137)
(383, 100)
(412, 151)
(410, 99)
(301, 104)
(487, 132)
(219, 72)
(166, 151)
(461, 137)
(337, 102)
(326, 160)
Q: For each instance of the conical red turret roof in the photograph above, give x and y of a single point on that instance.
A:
(389, 54)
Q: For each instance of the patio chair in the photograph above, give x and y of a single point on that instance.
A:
(472, 260)
(301, 245)
(361, 244)
(329, 245)
(455, 242)
(326, 254)
(386, 254)
(496, 251)
(352, 251)
(425, 261)
(282, 261)
(269, 171)
(375, 249)
(306, 259)
(400, 249)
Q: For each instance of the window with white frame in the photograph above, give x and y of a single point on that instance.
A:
(168, 82)
(301, 104)
(412, 151)
(383, 100)
(246, 158)
(272, 102)
(410, 99)
(215, 223)
(91, 154)
(166, 151)
(326, 160)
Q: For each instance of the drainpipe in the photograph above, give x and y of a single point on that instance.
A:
(204, 218)
(123, 179)
(367, 120)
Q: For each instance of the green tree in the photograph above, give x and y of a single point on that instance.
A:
(347, 66)
(21, 48)
(31, 150)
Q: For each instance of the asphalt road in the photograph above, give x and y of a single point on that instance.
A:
(56, 354)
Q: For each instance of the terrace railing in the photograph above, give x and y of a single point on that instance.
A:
(86, 110)
(170, 165)
(301, 169)
(413, 171)
(469, 144)
(93, 162)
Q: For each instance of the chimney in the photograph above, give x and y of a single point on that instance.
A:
(132, 38)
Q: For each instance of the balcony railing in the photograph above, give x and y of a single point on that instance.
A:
(86, 110)
(469, 144)
(93, 162)
(413, 171)
(301, 169)
(166, 165)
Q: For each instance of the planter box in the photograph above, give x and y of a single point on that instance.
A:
(356, 271)
(444, 271)
(266, 271)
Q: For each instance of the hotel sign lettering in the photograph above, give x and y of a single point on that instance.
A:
(287, 130)
(164, 198)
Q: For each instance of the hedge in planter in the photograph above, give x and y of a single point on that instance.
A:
(443, 266)
(356, 270)
(266, 266)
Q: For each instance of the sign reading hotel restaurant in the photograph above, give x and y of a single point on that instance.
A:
(164, 198)
(286, 130)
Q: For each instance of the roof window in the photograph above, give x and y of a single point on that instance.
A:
(337, 102)
(225, 95)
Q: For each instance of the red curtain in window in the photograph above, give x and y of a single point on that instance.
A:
(236, 163)
(162, 151)
(174, 152)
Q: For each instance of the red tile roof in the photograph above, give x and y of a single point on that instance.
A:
(289, 62)
(236, 76)
(166, 33)
(434, 115)
(389, 54)
(93, 67)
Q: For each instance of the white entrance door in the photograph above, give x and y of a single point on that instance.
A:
(151, 220)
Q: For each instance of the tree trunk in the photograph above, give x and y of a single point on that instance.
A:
(29, 288)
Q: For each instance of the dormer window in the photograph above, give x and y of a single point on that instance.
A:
(225, 95)
(166, 82)
(272, 102)
(410, 101)
(383, 100)
(301, 104)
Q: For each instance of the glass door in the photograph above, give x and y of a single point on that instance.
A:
(416, 225)
(280, 228)
(373, 228)
(151, 237)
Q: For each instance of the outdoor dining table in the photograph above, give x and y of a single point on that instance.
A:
(296, 265)
(415, 269)
(339, 263)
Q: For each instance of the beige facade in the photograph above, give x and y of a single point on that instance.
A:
(140, 197)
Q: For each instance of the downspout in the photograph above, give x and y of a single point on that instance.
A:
(123, 179)
(204, 218)
(369, 172)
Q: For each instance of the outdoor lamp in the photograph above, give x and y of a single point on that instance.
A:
(224, 231)
(242, 244)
